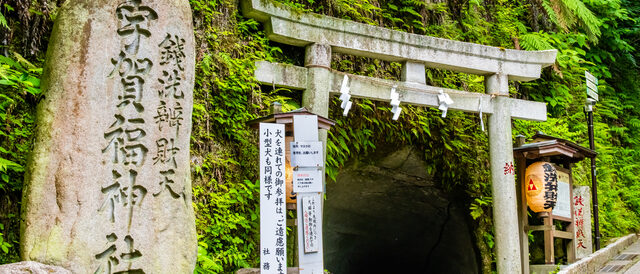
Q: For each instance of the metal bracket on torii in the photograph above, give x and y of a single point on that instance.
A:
(322, 35)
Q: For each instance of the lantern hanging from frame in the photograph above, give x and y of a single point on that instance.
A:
(288, 178)
(541, 186)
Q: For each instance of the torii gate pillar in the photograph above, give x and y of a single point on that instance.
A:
(503, 182)
(316, 99)
(317, 60)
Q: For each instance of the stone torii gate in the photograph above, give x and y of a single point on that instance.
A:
(321, 35)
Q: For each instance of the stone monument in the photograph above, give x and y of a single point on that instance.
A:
(108, 188)
(582, 221)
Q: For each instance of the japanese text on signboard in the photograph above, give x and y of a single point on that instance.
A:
(273, 246)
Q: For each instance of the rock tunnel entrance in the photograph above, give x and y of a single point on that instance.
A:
(385, 215)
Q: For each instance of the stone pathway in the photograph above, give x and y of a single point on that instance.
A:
(627, 262)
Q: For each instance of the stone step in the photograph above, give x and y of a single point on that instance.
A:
(628, 261)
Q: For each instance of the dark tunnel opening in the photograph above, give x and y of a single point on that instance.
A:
(384, 214)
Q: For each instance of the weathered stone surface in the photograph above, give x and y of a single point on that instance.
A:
(595, 261)
(108, 186)
(582, 221)
(30, 267)
(294, 77)
(287, 25)
(386, 215)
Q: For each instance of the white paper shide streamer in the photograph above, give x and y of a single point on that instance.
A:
(345, 96)
(444, 101)
(480, 111)
(395, 103)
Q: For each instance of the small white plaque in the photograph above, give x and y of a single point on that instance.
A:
(307, 154)
(305, 127)
(590, 77)
(592, 85)
(563, 204)
(592, 94)
(310, 208)
(307, 180)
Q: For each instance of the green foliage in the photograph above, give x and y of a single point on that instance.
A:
(613, 61)
(19, 89)
(20, 82)
(4, 246)
(226, 97)
(567, 13)
(229, 226)
(3, 22)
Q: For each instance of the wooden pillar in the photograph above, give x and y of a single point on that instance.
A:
(523, 216)
(549, 228)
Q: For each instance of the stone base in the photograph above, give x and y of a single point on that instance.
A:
(595, 261)
(31, 267)
(544, 268)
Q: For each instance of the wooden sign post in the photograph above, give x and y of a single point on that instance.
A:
(592, 98)
(309, 154)
(306, 168)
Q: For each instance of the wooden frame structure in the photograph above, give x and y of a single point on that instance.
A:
(563, 154)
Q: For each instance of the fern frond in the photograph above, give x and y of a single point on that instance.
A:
(535, 41)
(3, 21)
(565, 14)
(634, 123)
(553, 16)
(586, 17)
(415, 3)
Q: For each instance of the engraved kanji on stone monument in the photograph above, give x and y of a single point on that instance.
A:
(582, 221)
(109, 189)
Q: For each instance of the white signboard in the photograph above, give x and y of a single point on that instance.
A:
(563, 205)
(307, 180)
(307, 154)
(310, 213)
(273, 235)
(305, 129)
(590, 77)
(592, 85)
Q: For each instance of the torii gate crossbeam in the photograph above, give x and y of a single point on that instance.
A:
(294, 77)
